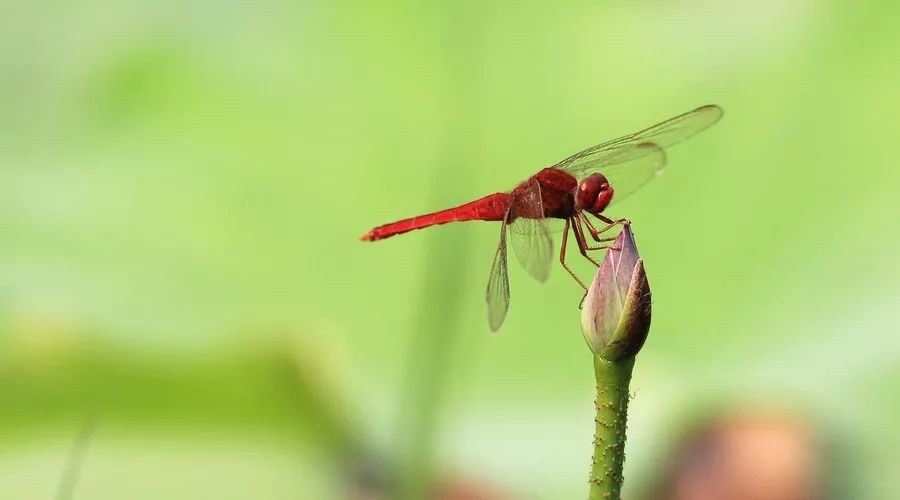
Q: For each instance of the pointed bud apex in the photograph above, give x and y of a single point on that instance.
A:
(615, 318)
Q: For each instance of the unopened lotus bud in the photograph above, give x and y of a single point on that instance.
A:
(615, 318)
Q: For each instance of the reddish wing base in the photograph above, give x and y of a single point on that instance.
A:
(557, 192)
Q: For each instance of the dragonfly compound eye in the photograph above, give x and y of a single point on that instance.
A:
(594, 193)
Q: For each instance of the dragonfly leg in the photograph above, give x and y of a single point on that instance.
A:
(609, 225)
(595, 233)
(562, 260)
(582, 242)
(611, 221)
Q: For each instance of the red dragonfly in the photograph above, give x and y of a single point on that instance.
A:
(584, 183)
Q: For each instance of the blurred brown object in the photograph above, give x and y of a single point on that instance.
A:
(746, 456)
(467, 488)
(372, 481)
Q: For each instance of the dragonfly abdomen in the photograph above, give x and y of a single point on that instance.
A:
(492, 208)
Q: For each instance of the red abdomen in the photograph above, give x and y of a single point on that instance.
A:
(491, 207)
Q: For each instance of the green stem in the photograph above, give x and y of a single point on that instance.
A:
(610, 423)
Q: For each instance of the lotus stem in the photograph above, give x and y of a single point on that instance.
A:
(611, 406)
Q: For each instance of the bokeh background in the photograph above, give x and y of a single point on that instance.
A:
(186, 312)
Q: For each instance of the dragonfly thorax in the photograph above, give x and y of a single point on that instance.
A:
(593, 193)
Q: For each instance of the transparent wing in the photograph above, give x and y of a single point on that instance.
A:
(498, 285)
(529, 233)
(628, 152)
(638, 165)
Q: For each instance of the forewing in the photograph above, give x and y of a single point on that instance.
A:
(628, 148)
(626, 176)
(498, 285)
(529, 233)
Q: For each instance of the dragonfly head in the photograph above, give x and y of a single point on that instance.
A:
(593, 193)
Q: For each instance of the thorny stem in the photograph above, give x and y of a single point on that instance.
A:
(611, 406)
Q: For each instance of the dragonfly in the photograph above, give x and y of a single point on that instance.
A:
(586, 183)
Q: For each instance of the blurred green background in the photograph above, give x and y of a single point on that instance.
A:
(182, 186)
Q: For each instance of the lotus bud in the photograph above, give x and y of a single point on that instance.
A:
(615, 318)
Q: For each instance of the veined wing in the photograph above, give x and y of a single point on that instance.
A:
(498, 285)
(632, 160)
(531, 242)
(529, 233)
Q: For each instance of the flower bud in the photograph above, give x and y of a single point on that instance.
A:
(615, 318)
